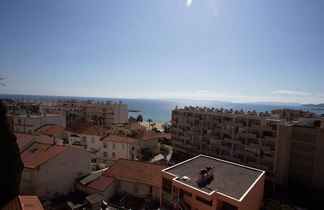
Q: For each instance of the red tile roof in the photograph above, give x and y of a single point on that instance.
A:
(24, 202)
(25, 140)
(135, 171)
(119, 139)
(101, 184)
(38, 153)
(88, 129)
(50, 130)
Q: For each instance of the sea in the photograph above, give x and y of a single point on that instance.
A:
(159, 110)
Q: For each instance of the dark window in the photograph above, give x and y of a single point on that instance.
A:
(209, 203)
(166, 185)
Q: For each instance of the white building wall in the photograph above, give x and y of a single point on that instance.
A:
(57, 176)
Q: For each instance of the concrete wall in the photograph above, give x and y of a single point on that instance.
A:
(107, 194)
(138, 189)
(29, 124)
(253, 199)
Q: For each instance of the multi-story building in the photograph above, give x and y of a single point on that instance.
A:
(103, 112)
(259, 140)
(204, 182)
(105, 147)
(29, 123)
(50, 170)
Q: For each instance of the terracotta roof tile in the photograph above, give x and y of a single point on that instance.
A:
(39, 153)
(119, 139)
(24, 202)
(50, 130)
(135, 171)
(25, 140)
(101, 184)
(134, 126)
(88, 129)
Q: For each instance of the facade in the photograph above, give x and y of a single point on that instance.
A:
(114, 147)
(105, 112)
(260, 140)
(203, 183)
(29, 123)
(136, 178)
(50, 170)
(104, 146)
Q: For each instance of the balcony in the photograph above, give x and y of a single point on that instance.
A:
(270, 139)
(261, 127)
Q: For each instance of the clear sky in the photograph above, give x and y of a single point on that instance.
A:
(235, 50)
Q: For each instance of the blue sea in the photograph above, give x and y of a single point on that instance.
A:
(159, 110)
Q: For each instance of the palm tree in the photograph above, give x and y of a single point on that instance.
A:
(149, 121)
(1, 83)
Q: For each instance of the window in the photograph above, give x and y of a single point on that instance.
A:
(84, 139)
(166, 185)
(114, 155)
(123, 146)
(209, 203)
(92, 140)
(113, 145)
(19, 121)
(105, 145)
(105, 154)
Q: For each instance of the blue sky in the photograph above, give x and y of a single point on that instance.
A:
(235, 50)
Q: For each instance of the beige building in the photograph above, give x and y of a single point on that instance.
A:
(106, 112)
(259, 140)
(29, 123)
(105, 147)
(113, 147)
(204, 183)
(50, 170)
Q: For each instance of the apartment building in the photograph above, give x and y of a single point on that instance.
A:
(29, 123)
(50, 170)
(104, 112)
(113, 147)
(204, 183)
(260, 140)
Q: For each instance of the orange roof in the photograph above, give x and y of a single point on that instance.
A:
(39, 153)
(119, 139)
(25, 140)
(50, 130)
(87, 129)
(101, 184)
(24, 202)
(137, 171)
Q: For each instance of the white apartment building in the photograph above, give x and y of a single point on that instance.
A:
(106, 112)
(29, 123)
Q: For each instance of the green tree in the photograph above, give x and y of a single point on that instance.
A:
(149, 121)
(146, 154)
(131, 119)
(164, 151)
(10, 161)
(139, 118)
(272, 204)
